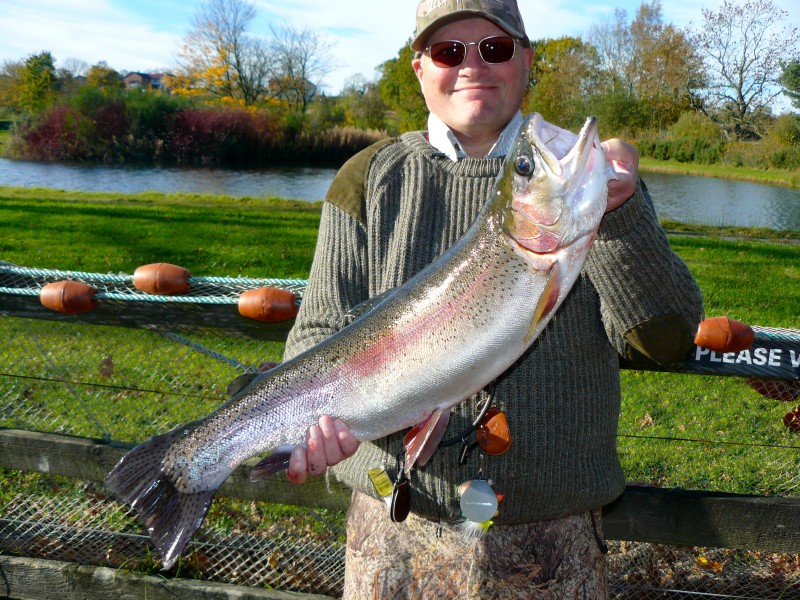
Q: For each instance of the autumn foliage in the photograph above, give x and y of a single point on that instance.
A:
(146, 127)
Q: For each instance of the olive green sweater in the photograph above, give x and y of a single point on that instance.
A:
(396, 206)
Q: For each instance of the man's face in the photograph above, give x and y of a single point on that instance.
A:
(474, 99)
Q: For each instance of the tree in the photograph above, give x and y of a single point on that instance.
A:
(299, 62)
(219, 59)
(743, 47)
(561, 77)
(614, 46)
(790, 80)
(74, 67)
(664, 67)
(38, 82)
(11, 74)
(646, 68)
(400, 90)
(104, 77)
(365, 108)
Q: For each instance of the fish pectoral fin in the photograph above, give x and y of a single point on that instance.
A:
(277, 461)
(547, 300)
(423, 439)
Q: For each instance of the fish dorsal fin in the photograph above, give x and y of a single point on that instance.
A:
(423, 439)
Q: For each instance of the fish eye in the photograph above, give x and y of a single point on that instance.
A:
(523, 165)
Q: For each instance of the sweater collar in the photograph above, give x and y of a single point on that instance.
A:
(444, 140)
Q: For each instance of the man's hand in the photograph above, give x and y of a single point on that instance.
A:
(327, 444)
(624, 160)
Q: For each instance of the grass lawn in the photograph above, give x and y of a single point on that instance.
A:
(208, 235)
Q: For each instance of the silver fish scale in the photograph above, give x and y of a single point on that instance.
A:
(428, 346)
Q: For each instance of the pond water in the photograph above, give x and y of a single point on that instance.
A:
(682, 198)
(302, 183)
(711, 201)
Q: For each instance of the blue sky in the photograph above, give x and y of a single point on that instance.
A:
(145, 35)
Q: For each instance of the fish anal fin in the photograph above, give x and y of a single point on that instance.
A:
(547, 300)
(423, 439)
(277, 461)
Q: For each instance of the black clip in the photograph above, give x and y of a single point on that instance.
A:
(401, 498)
(400, 504)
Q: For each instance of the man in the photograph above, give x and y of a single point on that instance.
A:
(389, 212)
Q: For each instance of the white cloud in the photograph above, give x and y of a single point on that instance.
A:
(89, 30)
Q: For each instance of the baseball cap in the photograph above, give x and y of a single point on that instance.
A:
(432, 14)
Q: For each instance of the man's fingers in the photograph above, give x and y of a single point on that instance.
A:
(330, 440)
(347, 441)
(315, 453)
(624, 160)
(326, 444)
(298, 466)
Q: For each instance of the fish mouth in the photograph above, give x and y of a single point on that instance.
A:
(564, 152)
(554, 203)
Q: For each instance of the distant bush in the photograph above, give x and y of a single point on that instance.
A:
(222, 136)
(692, 138)
(785, 158)
(784, 131)
(53, 137)
(331, 145)
(98, 126)
(682, 150)
(151, 117)
(693, 125)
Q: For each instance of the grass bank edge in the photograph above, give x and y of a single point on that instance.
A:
(770, 177)
(151, 198)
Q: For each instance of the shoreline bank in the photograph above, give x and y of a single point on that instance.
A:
(782, 178)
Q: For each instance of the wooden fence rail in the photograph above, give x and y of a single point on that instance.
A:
(643, 513)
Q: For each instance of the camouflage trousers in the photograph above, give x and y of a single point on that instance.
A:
(422, 559)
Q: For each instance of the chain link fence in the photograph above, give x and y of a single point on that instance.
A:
(128, 383)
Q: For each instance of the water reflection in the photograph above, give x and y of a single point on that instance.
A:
(703, 200)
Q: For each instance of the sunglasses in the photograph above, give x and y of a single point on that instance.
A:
(493, 50)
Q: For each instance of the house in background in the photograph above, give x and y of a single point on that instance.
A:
(147, 81)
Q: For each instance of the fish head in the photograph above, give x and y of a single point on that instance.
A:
(553, 187)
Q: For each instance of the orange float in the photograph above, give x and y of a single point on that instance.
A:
(162, 279)
(494, 437)
(268, 304)
(723, 335)
(68, 297)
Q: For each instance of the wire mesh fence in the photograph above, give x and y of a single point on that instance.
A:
(127, 384)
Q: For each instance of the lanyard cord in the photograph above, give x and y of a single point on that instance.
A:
(466, 433)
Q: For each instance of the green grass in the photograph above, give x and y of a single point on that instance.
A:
(753, 281)
(5, 136)
(117, 233)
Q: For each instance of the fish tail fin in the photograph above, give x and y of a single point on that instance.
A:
(172, 517)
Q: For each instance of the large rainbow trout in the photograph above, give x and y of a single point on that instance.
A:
(428, 345)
